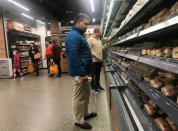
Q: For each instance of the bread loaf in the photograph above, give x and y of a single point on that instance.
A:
(172, 124)
(158, 17)
(144, 52)
(175, 53)
(153, 52)
(150, 110)
(174, 9)
(162, 124)
(159, 53)
(167, 52)
(169, 90)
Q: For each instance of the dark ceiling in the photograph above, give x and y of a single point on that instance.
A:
(63, 10)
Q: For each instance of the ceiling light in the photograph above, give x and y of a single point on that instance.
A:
(72, 21)
(109, 15)
(27, 16)
(93, 20)
(19, 5)
(40, 22)
(92, 5)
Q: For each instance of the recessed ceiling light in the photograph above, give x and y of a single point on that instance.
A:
(93, 20)
(40, 22)
(19, 5)
(27, 16)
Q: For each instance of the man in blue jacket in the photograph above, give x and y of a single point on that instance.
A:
(79, 67)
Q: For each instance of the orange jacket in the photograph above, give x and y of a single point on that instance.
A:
(48, 51)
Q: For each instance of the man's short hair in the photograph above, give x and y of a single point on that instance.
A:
(97, 29)
(80, 17)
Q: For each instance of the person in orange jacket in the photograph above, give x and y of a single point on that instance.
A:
(48, 54)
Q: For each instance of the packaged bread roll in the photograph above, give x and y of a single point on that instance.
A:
(172, 124)
(148, 52)
(159, 53)
(167, 52)
(150, 110)
(160, 112)
(144, 52)
(157, 83)
(147, 79)
(170, 76)
(175, 53)
(174, 9)
(169, 90)
(161, 74)
(152, 104)
(153, 52)
(162, 124)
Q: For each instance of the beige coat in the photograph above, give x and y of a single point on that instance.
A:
(96, 48)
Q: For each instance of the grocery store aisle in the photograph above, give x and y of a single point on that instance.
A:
(44, 104)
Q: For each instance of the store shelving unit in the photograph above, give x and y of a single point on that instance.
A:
(171, 24)
(123, 36)
(24, 47)
(167, 64)
(65, 30)
(141, 15)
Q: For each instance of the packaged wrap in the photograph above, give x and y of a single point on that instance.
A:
(172, 124)
(162, 124)
(150, 110)
(169, 90)
(157, 83)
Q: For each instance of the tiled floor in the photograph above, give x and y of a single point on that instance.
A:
(44, 104)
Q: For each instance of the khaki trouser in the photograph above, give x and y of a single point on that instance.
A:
(81, 95)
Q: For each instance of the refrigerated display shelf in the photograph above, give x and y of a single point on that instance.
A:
(143, 120)
(168, 106)
(163, 27)
(130, 116)
(166, 64)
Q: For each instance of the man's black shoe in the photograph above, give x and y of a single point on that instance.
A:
(84, 126)
(100, 88)
(51, 75)
(91, 115)
(58, 75)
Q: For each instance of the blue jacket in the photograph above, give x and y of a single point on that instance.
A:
(78, 53)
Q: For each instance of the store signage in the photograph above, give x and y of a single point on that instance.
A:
(15, 25)
(27, 28)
